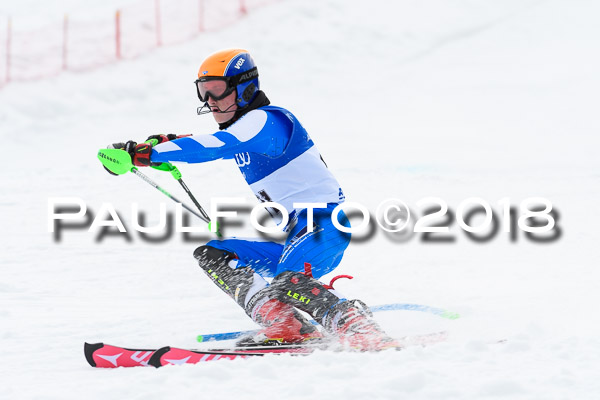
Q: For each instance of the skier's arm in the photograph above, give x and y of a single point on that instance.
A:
(257, 132)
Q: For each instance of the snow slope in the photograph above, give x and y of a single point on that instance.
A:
(405, 99)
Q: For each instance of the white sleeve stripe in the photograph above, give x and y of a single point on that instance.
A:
(248, 126)
(208, 141)
(166, 146)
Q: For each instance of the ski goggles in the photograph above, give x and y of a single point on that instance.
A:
(216, 87)
(219, 87)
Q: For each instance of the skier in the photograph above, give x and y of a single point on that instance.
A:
(281, 164)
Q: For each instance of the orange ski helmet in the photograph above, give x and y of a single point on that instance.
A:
(236, 69)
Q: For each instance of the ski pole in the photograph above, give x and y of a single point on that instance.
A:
(119, 162)
(169, 195)
(177, 175)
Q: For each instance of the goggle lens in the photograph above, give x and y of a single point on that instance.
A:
(218, 89)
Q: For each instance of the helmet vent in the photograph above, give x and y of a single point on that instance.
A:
(248, 92)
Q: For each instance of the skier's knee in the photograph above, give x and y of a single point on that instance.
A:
(222, 267)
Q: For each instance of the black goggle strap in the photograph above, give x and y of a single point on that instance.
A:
(244, 77)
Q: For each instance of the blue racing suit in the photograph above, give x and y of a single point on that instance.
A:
(281, 164)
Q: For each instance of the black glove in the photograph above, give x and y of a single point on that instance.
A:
(165, 138)
(140, 153)
(128, 147)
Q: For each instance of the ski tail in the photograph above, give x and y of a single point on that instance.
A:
(88, 350)
(102, 355)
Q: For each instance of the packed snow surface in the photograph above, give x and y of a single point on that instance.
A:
(406, 99)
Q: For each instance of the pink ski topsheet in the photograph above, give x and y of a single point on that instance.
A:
(107, 356)
(180, 356)
(102, 355)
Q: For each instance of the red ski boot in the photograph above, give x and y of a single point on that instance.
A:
(282, 323)
(355, 328)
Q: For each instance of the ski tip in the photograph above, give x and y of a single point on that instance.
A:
(200, 338)
(89, 349)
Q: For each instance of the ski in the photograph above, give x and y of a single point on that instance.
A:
(102, 355)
